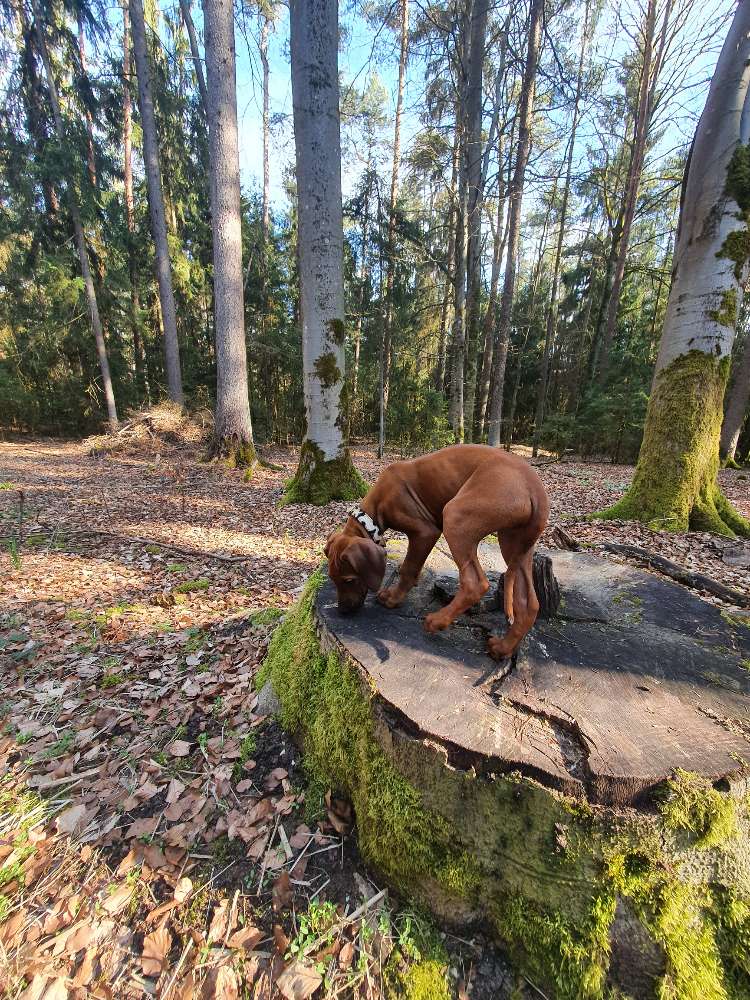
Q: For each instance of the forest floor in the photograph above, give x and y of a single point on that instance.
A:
(155, 837)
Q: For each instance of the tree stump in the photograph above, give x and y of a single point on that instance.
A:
(592, 810)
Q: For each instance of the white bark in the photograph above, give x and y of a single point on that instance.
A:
(232, 405)
(315, 93)
(700, 279)
(156, 202)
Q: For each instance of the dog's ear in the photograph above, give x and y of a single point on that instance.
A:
(366, 560)
(329, 540)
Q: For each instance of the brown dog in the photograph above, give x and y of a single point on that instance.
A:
(465, 492)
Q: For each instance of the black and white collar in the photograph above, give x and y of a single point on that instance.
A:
(369, 525)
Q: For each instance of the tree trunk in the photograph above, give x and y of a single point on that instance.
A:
(363, 275)
(737, 404)
(646, 95)
(490, 316)
(195, 54)
(127, 147)
(90, 160)
(551, 326)
(474, 199)
(385, 353)
(75, 216)
(156, 203)
(265, 215)
(458, 330)
(523, 146)
(441, 366)
(266, 204)
(675, 484)
(325, 470)
(233, 433)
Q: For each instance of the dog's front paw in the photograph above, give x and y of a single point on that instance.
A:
(389, 597)
(435, 622)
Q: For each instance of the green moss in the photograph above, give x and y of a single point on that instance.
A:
(464, 844)
(318, 481)
(423, 981)
(726, 314)
(267, 616)
(338, 331)
(737, 183)
(675, 485)
(571, 957)
(235, 451)
(191, 585)
(732, 923)
(327, 370)
(692, 804)
(323, 701)
(736, 247)
(460, 875)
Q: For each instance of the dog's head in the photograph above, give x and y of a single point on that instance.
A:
(355, 565)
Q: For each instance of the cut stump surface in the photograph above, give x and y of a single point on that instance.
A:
(634, 678)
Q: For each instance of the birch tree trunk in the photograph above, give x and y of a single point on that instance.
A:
(156, 203)
(127, 164)
(474, 198)
(75, 216)
(523, 146)
(675, 484)
(325, 470)
(737, 405)
(551, 324)
(233, 432)
(385, 353)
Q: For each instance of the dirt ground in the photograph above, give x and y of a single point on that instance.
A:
(157, 836)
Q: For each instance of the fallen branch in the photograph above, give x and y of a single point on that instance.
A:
(697, 581)
(137, 539)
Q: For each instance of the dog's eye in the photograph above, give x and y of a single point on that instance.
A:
(349, 579)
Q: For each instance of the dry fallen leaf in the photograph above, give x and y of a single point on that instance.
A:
(245, 937)
(156, 946)
(119, 899)
(298, 981)
(71, 820)
(179, 748)
(222, 984)
(283, 892)
(346, 955)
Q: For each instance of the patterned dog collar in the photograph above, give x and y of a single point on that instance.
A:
(369, 525)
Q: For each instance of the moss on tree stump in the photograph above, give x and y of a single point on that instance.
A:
(610, 861)
(318, 481)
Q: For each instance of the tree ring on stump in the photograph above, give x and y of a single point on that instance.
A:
(594, 809)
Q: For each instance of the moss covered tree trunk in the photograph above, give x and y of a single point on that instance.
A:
(675, 485)
(737, 404)
(325, 470)
(233, 435)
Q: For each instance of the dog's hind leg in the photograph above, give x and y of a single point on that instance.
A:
(521, 605)
(472, 581)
